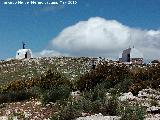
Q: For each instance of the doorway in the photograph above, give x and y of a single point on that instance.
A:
(26, 55)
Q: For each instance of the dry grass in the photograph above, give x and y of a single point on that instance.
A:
(31, 109)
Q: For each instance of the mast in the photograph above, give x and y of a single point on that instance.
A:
(23, 45)
(131, 42)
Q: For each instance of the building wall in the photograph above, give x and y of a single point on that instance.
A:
(23, 53)
(137, 60)
(126, 55)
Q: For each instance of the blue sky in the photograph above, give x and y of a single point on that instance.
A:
(39, 25)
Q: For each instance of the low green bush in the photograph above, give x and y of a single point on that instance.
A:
(154, 102)
(124, 85)
(48, 80)
(52, 79)
(105, 72)
(69, 112)
(51, 87)
(96, 94)
(85, 105)
(98, 102)
(16, 96)
(132, 112)
(54, 94)
(137, 86)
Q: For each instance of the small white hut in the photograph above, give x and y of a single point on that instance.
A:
(23, 53)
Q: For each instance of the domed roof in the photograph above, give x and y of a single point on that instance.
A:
(134, 53)
(23, 51)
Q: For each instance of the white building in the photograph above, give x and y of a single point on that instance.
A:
(23, 53)
(132, 55)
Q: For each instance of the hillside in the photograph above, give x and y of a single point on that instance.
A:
(66, 88)
(35, 67)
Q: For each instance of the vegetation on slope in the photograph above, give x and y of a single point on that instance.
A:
(99, 87)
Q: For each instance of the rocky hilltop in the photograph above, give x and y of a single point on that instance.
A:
(28, 68)
(66, 88)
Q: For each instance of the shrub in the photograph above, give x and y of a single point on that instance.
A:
(155, 72)
(15, 96)
(3, 98)
(112, 106)
(91, 102)
(154, 102)
(105, 72)
(140, 73)
(96, 101)
(52, 79)
(54, 94)
(155, 61)
(123, 86)
(52, 86)
(49, 80)
(155, 84)
(85, 105)
(96, 94)
(69, 112)
(137, 86)
(130, 112)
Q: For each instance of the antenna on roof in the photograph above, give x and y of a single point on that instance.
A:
(23, 45)
(131, 41)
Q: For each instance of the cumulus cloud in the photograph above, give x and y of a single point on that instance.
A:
(95, 35)
(49, 53)
(100, 37)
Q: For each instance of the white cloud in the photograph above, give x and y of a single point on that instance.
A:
(107, 38)
(49, 53)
